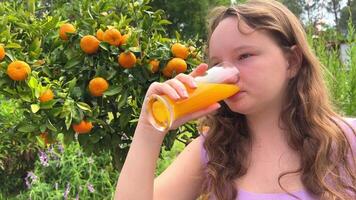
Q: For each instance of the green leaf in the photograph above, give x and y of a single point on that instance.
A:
(135, 49)
(50, 126)
(27, 128)
(94, 138)
(125, 117)
(46, 70)
(2, 82)
(72, 63)
(72, 83)
(35, 108)
(68, 120)
(50, 24)
(84, 106)
(164, 22)
(48, 104)
(113, 90)
(13, 46)
(122, 99)
(33, 83)
(104, 46)
(55, 111)
(36, 44)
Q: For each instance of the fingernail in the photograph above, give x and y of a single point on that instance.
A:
(185, 94)
(176, 97)
(194, 84)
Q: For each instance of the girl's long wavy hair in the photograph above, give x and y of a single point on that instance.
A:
(313, 128)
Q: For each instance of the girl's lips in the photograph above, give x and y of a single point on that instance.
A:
(236, 96)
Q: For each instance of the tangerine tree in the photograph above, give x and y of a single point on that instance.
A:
(82, 69)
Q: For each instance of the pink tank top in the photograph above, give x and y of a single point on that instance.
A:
(303, 194)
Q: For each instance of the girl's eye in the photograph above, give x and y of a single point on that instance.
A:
(214, 64)
(244, 56)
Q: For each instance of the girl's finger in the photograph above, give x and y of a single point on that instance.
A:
(187, 80)
(179, 87)
(199, 70)
(165, 89)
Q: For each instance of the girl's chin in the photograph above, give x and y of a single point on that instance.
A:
(236, 96)
(236, 107)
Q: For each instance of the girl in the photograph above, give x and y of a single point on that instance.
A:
(278, 138)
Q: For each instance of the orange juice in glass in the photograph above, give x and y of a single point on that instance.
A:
(217, 84)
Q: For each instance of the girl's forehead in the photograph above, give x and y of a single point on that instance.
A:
(232, 25)
(231, 33)
(230, 30)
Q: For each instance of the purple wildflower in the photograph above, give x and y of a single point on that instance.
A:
(44, 159)
(66, 192)
(30, 178)
(60, 148)
(91, 188)
(52, 153)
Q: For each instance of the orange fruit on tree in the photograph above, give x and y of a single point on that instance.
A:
(82, 127)
(46, 95)
(180, 51)
(64, 29)
(127, 59)
(174, 66)
(154, 65)
(112, 36)
(89, 44)
(97, 86)
(2, 52)
(100, 35)
(18, 70)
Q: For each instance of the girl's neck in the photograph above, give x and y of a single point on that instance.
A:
(269, 143)
(266, 128)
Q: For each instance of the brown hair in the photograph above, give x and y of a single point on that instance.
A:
(313, 128)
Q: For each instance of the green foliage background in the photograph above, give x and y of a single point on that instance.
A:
(29, 31)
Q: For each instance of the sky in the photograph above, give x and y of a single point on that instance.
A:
(328, 17)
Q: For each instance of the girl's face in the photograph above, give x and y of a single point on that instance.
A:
(264, 70)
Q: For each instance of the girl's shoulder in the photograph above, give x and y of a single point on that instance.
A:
(349, 128)
(348, 125)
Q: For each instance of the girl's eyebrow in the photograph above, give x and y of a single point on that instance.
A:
(244, 47)
(236, 49)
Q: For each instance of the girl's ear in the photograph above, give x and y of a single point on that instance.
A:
(295, 59)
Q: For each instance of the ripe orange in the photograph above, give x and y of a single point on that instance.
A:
(175, 65)
(100, 35)
(180, 51)
(124, 39)
(2, 52)
(127, 60)
(89, 44)
(18, 70)
(112, 36)
(82, 127)
(46, 95)
(97, 86)
(154, 65)
(64, 29)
